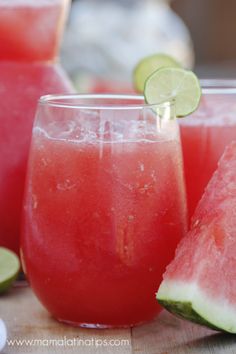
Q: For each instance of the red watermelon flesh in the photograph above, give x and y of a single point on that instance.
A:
(200, 283)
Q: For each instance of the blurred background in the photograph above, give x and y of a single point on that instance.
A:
(105, 39)
(212, 26)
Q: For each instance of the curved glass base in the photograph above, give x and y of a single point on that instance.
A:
(98, 325)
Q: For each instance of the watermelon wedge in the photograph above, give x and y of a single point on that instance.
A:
(200, 283)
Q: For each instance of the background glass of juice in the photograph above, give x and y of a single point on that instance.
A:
(104, 207)
(205, 135)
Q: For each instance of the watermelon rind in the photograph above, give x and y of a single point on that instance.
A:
(187, 300)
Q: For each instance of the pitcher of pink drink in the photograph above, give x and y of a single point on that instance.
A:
(30, 34)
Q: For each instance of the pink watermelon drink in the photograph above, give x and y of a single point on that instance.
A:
(107, 86)
(30, 30)
(104, 208)
(200, 284)
(205, 135)
(22, 83)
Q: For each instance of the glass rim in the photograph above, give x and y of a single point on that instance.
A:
(218, 86)
(62, 100)
(31, 3)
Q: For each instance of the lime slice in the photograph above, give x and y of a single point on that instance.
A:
(9, 268)
(177, 84)
(3, 335)
(150, 64)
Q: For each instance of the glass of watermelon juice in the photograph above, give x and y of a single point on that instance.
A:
(104, 207)
(205, 135)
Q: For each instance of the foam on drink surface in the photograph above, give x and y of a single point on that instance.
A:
(95, 130)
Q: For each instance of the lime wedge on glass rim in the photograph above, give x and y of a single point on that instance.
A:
(9, 268)
(167, 84)
(150, 64)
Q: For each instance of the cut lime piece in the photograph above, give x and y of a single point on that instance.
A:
(148, 65)
(177, 84)
(9, 268)
(3, 335)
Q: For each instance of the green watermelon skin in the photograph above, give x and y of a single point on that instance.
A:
(200, 283)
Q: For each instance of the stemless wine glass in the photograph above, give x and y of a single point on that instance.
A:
(205, 135)
(104, 207)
